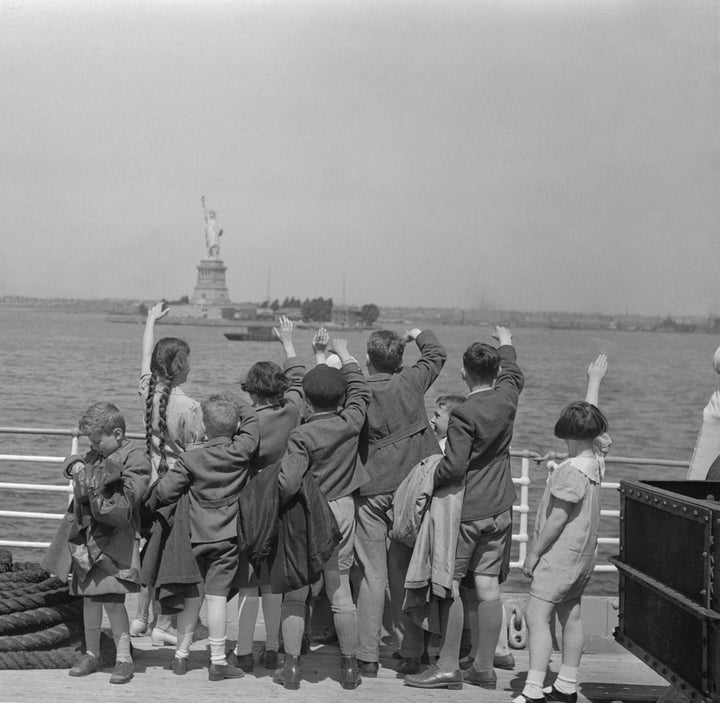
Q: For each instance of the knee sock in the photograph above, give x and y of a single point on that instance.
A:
(122, 648)
(346, 626)
(534, 684)
(247, 616)
(293, 626)
(566, 681)
(451, 625)
(217, 651)
(272, 603)
(121, 630)
(92, 619)
(489, 618)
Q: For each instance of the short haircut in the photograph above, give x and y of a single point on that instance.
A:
(103, 418)
(385, 351)
(266, 379)
(220, 415)
(449, 401)
(482, 362)
(580, 420)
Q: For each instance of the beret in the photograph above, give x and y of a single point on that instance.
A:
(324, 385)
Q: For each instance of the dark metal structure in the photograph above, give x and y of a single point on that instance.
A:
(668, 567)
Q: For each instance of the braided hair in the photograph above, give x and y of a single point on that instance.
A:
(168, 359)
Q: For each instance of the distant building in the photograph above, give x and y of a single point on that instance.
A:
(347, 316)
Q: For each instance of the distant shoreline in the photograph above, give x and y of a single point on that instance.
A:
(398, 316)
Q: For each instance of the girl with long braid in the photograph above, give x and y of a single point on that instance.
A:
(173, 423)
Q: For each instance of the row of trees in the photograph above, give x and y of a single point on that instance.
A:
(319, 309)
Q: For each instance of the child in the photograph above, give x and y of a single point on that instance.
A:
(477, 451)
(395, 438)
(326, 444)
(173, 423)
(503, 658)
(564, 548)
(277, 397)
(213, 476)
(108, 484)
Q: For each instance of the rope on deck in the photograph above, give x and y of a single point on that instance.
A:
(41, 624)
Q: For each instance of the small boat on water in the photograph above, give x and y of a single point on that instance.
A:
(252, 333)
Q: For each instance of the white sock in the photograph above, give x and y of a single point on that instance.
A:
(182, 654)
(217, 651)
(566, 681)
(533, 687)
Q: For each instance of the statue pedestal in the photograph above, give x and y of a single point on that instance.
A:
(211, 288)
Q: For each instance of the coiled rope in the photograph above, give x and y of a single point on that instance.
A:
(40, 622)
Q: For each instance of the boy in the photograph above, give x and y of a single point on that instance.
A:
(326, 444)
(478, 442)
(213, 476)
(108, 485)
(395, 438)
(441, 416)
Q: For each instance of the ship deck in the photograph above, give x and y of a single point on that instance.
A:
(612, 676)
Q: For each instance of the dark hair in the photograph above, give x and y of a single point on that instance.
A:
(220, 415)
(385, 351)
(482, 362)
(168, 359)
(103, 418)
(449, 401)
(580, 420)
(266, 379)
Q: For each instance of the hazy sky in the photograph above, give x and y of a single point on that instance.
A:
(532, 155)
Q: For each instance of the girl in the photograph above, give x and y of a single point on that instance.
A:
(564, 549)
(173, 423)
(279, 402)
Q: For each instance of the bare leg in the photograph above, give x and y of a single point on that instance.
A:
(538, 615)
(120, 626)
(187, 620)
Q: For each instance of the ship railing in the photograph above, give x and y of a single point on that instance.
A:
(530, 462)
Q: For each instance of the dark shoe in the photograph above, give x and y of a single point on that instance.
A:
(242, 661)
(522, 698)
(268, 658)
(484, 679)
(87, 664)
(368, 669)
(289, 674)
(122, 673)
(179, 666)
(504, 661)
(467, 662)
(349, 673)
(554, 695)
(409, 665)
(434, 678)
(328, 636)
(218, 672)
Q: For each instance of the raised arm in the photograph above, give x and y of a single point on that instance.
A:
(320, 341)
(596, 372)
(284, 332)
(432, 357)
(357, 395)
(154, 313)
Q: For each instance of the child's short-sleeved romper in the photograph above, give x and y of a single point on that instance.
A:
(564, 569)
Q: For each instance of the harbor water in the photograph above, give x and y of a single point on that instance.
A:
(53, 365)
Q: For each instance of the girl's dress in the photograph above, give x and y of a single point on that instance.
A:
(566, 566)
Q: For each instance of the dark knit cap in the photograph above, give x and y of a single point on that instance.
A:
(324, 386)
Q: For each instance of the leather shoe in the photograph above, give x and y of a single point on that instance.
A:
(504, 661)
(87, 664)
(218, 672)
(409, 665)
(268, 658)
(289, 675)
(123, 672)
(522, 698)
(434, 678)
(349, 673)
(554, 695)
(368, 669)
(179, 666)
(242, 661)
(484, 679)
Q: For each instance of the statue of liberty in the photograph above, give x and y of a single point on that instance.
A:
(213, 232)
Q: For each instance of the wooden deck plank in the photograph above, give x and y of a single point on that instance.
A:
(154, 681)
